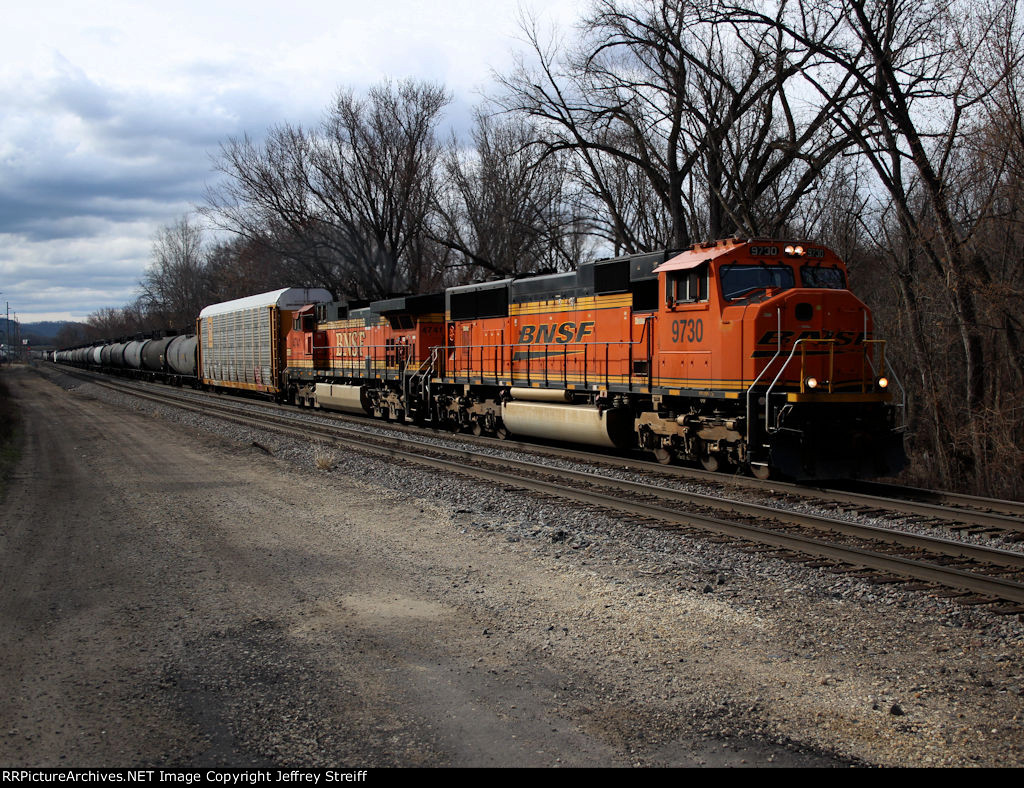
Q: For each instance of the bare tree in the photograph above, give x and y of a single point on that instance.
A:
(240, 267)
(350, 201)
(506, 208)
(174, 286)
(924, 76)
(701, 114)
(70, 334)
(111, 323)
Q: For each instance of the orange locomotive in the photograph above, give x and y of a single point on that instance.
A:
(735, 353)
(359, 358)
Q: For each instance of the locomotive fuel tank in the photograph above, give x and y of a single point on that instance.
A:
(349, 399)
(571, 423)
(540, 395)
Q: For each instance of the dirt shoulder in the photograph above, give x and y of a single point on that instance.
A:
(176, 596)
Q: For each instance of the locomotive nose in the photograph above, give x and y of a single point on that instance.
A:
(835, 323)
(817, 309)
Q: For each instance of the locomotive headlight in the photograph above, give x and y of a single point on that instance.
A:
(882, 382)
(789, 250)
(811, 383)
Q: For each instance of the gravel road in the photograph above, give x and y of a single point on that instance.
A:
(172, 594)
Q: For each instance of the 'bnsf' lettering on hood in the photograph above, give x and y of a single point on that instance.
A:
(559, 333)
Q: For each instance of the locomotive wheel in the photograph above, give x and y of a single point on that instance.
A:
(762, 472)
(710, 462)
(664, 456)
(501, 433)
(478, 429)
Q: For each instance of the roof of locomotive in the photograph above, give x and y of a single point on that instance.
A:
(411, 304)
(699, 254)
(483, 299)
(550, 286)
(289, 298)
(477, 286)
(763, 249)
(640, 266)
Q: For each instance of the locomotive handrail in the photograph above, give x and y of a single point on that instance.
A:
(423, 372)
(396, 357)
(750, 413)
(466, 352)
(768, 391)
(801, 343)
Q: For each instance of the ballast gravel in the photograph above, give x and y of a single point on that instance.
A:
(672, 638)
(779, 499)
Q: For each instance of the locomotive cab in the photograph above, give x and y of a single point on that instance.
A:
(766, 360)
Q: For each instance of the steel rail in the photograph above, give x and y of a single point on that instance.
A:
(948, 547)
(923, 495)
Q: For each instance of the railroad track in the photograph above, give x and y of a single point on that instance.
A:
(953, 511)
(983, 574)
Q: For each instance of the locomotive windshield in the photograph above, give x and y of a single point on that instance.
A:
(829, 278)
(739, 281)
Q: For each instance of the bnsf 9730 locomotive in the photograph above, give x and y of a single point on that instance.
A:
(750, 354)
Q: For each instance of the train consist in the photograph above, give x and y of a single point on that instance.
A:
(747, 354)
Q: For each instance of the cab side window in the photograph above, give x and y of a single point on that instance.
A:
(687, 287)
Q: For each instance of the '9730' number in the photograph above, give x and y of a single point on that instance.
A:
(687, 330)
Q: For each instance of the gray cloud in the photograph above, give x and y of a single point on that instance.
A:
(102, 145)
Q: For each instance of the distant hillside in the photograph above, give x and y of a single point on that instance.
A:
(42, 333)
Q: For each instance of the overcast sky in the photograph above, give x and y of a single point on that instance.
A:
(110, 112)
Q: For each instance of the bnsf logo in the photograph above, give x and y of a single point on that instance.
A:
(349, 343)
(840, 337)
(560, 333)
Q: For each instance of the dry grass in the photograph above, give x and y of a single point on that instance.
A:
(324, 458)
